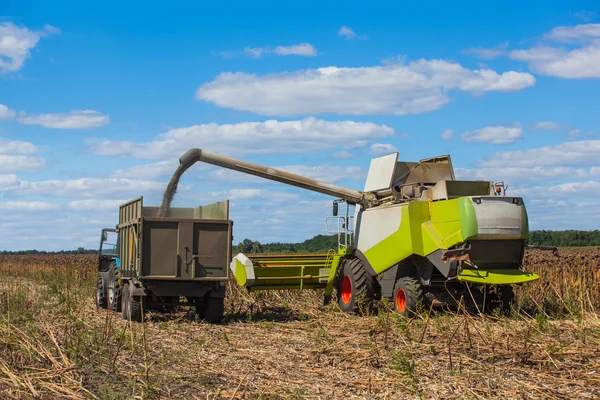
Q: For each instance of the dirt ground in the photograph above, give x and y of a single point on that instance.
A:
(55, 343)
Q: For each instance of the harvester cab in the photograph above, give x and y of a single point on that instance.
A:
(417, 235)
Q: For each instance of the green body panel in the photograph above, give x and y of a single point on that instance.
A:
(425, 228)
(496, 277)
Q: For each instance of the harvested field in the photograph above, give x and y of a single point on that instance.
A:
(55, 343)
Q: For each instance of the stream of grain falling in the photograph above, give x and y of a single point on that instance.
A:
(163, 211)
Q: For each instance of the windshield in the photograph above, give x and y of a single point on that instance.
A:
(109, 246)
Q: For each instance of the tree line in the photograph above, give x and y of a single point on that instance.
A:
(323, 243)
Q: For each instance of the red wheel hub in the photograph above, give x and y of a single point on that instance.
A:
(400, 300)
(346, 290)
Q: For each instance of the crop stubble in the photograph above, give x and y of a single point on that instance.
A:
(53, 341)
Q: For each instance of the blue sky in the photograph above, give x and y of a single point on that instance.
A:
(97, 102)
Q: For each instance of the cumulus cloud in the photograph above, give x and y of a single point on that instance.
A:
(147, 171)
(301, 49)
(87, 188)
(6, 113)
(27, 206)
(488, 53)
(346, 32)
(77, 119)
(547, 126)
(21, 163)
(16, 44)
(95, 205)
(579, 153)
(398, 89)
(494, 135)
(382, 148)
(17, 147)
(266, 137)
(447, 134)
(573, 52)
(342, 154)
(8, 182)
(589, 189)
(521, 175)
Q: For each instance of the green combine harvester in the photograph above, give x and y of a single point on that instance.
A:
(416, 236)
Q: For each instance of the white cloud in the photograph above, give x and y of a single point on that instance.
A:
(595, 171)
(342, 154)
(346, 32)
(95, 205)
(302, 49)
(77, 119)
(254, 52)
(88, 188)
(418, 87)
(147, 171)
(565, 154)
(520, 175)
(589, 189)
(16, 44)
(447, 134)
(494, 135)
(21, 163)
(547, 126)
(488, 53)
(16, 147)
(27, 206)
(382, 148)
(578, 58)
(573, 33)
(6, 113)
(8, 182)
(271, 136)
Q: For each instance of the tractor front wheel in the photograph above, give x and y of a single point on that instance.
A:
(101, 300)
(356, 289)
(407, 296)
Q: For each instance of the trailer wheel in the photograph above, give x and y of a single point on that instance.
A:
(101, 300)
(125, 301)
(356, 289)
(407, 296)
(213, 310)
(114, 290)
(136, 308)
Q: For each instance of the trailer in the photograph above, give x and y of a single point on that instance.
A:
(179, 260)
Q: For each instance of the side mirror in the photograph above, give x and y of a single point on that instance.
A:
(335, 209)
(104, 236)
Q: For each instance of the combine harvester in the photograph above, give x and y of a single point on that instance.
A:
(416, 235)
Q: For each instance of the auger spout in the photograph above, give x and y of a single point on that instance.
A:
(352, 196)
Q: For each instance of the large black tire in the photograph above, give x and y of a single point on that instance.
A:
(213, 310)
(125, 301)
(356, 288)
(407, 296)
(101, 283)
(114, 289)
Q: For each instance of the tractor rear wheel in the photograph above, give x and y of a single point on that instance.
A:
(356, 288)
(407, 296)
(101, 300)
(114, 289)
(125, 302)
